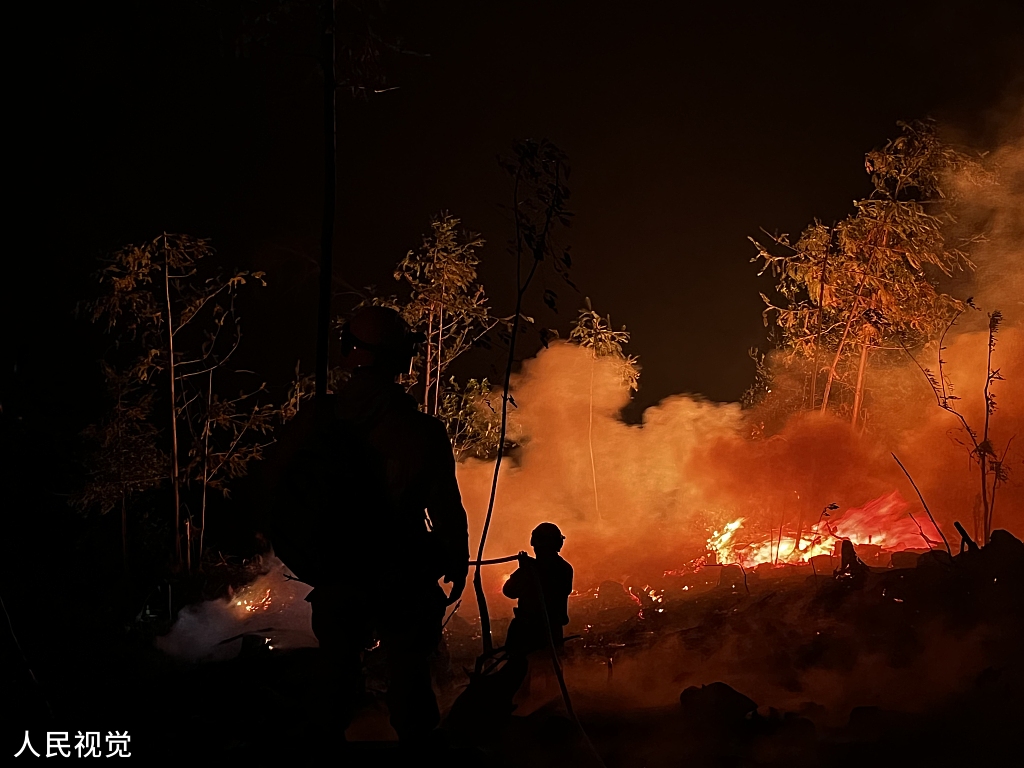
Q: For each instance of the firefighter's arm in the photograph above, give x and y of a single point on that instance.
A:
(447, 514)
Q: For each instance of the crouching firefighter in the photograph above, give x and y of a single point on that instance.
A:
(368, 512)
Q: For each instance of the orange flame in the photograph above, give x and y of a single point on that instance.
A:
(885, 521)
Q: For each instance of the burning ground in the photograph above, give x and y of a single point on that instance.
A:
(707, 559)
(914, 664)
(689, 480)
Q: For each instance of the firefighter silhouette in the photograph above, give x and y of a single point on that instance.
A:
(369, 513)
(542, 585)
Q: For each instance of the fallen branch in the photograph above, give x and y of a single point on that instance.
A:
(966, 542)
(923, 504)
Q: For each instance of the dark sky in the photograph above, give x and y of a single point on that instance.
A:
(688, 127)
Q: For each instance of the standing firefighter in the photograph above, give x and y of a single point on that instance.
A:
(369, 513)
(542, 586)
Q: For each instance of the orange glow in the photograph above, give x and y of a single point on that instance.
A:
(885, 521)
(256, 604)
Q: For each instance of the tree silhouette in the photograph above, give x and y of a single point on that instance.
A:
(177, 327)
(538, 172)
(473, 424)
(446, 302)
(991, 464)
(345, 39)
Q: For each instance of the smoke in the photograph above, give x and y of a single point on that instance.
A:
(272, 609)
(664, 486)
(636, 500)
(998, 210)
(642, 511)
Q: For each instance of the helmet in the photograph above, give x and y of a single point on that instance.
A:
(547, 536)
(379, 336)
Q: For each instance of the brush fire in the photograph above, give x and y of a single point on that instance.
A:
(809, 591)
(825, 571)
(787, 587)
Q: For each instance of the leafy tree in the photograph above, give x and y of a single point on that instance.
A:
(177, 328)
(778, 391)
(595, 333)
(473, 423)
(125, 460)
(868, 283)
(446, 302)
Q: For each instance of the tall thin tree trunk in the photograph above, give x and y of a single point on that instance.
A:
(987, 503)
(175, 478)
(978, 519)
(124, 530)
(846, 329)
(121, 480)
(440, 352)
(426, 367)
(206, 466)
(590, 434)
(478, 588)
(817, 336)
(323, 327)
(986, 511)
(858, 396)
(836, 359)
(537, 251)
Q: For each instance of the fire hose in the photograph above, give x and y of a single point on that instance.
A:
(494, 561)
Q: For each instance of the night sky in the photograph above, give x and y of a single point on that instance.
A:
(688, 128)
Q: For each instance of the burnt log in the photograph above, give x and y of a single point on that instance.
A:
(966, 542)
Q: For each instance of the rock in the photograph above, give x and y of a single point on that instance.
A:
(716, 703)
(905, 559)
(812, 710)
(784, 738)
(937, 558)
(1005, 545)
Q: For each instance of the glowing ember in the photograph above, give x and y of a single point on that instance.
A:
(253, 605)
